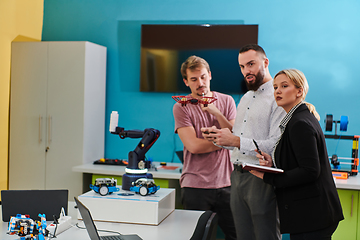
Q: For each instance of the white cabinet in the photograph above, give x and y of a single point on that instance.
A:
(57, 113)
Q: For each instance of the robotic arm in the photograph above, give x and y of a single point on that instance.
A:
(137, 166)
(148, 138)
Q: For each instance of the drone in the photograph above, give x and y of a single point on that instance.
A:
(183, 100)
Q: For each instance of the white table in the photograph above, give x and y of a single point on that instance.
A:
(172, 176)
(179, 225)
(117, 170)
(352, 183)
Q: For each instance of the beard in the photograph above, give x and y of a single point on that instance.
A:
(259, 79)
(205, 91)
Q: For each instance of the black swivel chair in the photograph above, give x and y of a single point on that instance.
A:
(206, 227)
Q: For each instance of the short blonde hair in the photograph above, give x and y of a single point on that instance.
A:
(192, 63)
(299, 80)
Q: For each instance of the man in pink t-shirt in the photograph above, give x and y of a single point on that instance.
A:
(205, 179)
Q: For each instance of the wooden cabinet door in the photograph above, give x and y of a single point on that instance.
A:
(28, 99)
(65, 110)
(76, 108)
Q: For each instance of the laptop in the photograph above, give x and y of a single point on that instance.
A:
(91, 228)
(33, 202)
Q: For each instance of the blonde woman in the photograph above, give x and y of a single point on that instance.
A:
(308, 203)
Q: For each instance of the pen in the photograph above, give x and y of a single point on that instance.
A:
(257, 147)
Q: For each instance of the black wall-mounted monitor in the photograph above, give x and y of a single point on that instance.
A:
(165, 47)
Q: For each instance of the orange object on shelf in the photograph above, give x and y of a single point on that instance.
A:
(340, 175)
(168, 167)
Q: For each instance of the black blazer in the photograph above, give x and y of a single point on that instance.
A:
(306, 193)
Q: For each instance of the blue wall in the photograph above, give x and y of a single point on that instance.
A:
(318, 37)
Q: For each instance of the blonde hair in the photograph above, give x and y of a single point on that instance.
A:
(192, 63)
(299, 80)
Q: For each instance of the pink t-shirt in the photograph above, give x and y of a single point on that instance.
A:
(207, 170)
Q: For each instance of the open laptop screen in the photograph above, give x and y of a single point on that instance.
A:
(33, 202)
(91, 228)
(88, 221)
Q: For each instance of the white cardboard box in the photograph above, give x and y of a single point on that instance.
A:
(151, 209)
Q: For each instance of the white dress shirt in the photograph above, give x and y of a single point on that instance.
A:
(258, 117)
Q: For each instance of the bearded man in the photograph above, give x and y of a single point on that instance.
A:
(258, 117)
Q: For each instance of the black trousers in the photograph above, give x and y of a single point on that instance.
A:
(216, 200)
(322, 234)
(253, 203)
